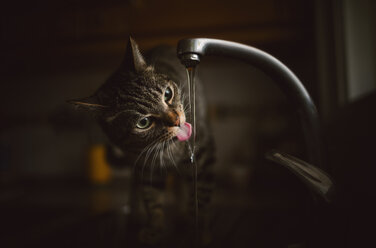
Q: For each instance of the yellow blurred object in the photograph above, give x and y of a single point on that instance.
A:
(99, 169)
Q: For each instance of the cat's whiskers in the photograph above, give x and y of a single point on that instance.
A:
(172, 145)
(169, 153)
(155, 150)
(150, 151)
(154, 160)
(143, 151)
(156, 153)
(161, 156)
(185, 109)
(151, 148)
(147, 149)
(184, 102)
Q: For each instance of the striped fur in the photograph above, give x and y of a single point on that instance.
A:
(136, 90)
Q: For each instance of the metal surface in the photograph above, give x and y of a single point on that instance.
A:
(285, 78)
(313, 177)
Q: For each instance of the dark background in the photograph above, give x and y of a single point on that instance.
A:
(53, 51)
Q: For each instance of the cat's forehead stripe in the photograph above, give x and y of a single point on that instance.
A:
(129, 111)
(132, 94)
(138, 108)
(156, 88)
(151, 90)
(156, 83)
(157, 91)
(144, 103)
(149, 101)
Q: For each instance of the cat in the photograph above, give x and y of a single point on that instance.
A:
(142, 108)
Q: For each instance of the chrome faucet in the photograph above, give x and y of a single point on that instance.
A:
(191, 51)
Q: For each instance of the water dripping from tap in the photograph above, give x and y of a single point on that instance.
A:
(192, 109)
(192, 141)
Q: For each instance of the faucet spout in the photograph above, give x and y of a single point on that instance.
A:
(191, 51)
(189, 59)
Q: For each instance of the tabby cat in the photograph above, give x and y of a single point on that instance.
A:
(143, 110)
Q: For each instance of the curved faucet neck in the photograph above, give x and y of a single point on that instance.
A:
(284, 77)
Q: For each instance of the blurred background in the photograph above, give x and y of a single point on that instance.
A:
(56, 187)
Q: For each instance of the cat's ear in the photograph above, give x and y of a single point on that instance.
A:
(88, 103)
(133, 59)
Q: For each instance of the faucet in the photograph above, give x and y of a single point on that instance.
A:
(190, 53)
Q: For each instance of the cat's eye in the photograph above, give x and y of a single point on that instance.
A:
(144, 123)
(168, 94)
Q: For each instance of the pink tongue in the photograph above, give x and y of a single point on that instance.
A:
(184, 132)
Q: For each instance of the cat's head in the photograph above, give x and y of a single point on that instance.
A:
(137, 107)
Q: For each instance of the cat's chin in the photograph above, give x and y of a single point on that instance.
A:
(184, 132)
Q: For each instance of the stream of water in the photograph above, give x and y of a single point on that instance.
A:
(192, 140)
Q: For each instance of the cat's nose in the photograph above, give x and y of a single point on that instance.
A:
(173, 118)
